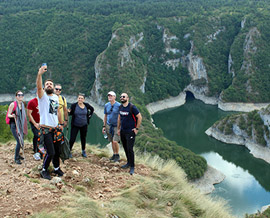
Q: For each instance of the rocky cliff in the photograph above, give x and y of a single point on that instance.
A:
(248, 129)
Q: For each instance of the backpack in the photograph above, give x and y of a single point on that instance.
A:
(64, 149)
(133, 115)
(7, 118)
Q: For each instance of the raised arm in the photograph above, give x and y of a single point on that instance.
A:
(40, 90)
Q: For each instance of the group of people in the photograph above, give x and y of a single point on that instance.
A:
(48, 114)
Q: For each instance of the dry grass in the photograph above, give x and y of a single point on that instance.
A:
(163, 193)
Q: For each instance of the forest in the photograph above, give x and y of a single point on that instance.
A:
(143, 47)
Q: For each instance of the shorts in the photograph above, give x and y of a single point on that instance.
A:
(116, 137)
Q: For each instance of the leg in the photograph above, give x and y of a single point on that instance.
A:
(35, 138)
(130, 145)
(18, 145)
(73, 134)
(124, 143)
(56, 157)
(83, 133)
(50, 152)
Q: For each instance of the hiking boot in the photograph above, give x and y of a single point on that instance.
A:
(58, 172)
(112, 157)
(45, 175)
(18, 161)
(116, 158)
(131, 171)
(125, 166)
(21, 158)
(83, 153)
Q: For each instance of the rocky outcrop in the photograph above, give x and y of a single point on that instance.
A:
(256, 150)
(206, 183)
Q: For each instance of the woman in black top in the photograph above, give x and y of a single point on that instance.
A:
(81, 113)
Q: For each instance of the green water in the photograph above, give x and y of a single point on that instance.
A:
(246, 187)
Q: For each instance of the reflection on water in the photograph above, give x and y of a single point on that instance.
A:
(246, 187)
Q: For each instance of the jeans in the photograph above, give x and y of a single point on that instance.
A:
(128, 140)
(35, 138)
(74, 133)
(18, 145)
(52, 151)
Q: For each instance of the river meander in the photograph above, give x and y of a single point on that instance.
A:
(246, 187)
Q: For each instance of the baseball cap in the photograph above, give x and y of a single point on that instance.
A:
(111, 93)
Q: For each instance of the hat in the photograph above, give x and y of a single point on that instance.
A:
(112, 93)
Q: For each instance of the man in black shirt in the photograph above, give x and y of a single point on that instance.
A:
(129, 121)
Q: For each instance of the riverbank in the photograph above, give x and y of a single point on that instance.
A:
(211, 177)
(179, 100)
(256, 150)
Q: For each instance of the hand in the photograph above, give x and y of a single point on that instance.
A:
(118, 132)
(135, 131)
(42, 70)
(36, 125)
(65, 123)
(103, 130)
(61, 127)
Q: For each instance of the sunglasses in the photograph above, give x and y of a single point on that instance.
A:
(58, 89)
(111, 109)
(20, 95)
(122, 96)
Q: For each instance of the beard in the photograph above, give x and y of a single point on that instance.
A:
(123, 101)
(49, 91)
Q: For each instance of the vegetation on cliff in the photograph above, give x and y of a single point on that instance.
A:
(251, 126)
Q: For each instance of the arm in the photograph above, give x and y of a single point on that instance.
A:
(31, 119)
(60, 118)
(40, 90)
(104, 123)
(118, 125)
(65, 115)
(139, 121)
(10, 109)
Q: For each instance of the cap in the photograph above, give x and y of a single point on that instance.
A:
(111, 93)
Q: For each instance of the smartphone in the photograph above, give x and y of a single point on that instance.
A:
(44, 64)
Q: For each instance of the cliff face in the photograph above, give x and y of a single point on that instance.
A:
(249, 129)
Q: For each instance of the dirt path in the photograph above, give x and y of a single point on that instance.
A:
(23, 192)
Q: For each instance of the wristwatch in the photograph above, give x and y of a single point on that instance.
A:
(137, 128)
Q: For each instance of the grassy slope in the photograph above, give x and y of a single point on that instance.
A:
(163, 193)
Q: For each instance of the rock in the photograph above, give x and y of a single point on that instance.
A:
(75, 173)
(55, 180)
(169, 204)
(107, 189)
(114, 169)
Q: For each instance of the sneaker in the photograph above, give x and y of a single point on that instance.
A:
(37, 156)
(21, 158)
(112, 157)
(18, 161)
(70, 155)
(83, 153)
(131, 171)
(125, 166)
(45, 175)
(116, 158)
(58, 172)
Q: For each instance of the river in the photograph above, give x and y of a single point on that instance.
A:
(246, 187)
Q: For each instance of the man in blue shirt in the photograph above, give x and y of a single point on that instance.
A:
(129, 121)
(111, 111)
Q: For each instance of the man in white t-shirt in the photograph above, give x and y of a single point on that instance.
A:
(49, 119)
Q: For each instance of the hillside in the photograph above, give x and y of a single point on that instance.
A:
(150, 49)
(95, 187)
